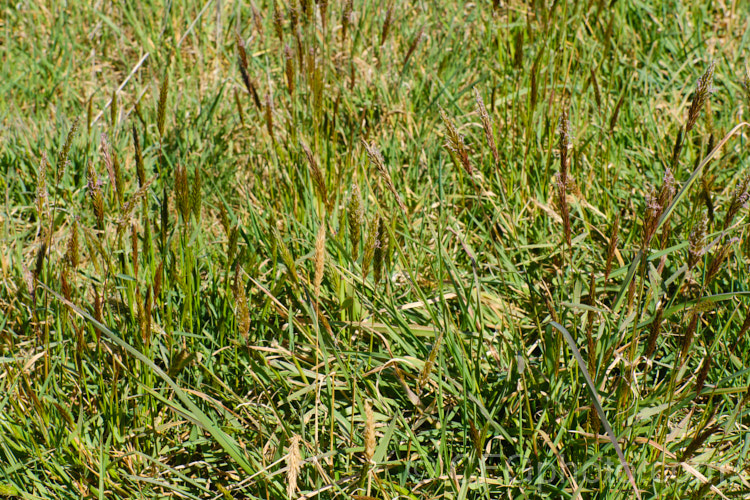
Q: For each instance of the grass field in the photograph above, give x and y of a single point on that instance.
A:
(374, 250)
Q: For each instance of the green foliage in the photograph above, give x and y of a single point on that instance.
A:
(374, 250)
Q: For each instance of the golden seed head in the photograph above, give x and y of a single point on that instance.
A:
(293, 464)
(369, 431)
(320, 252)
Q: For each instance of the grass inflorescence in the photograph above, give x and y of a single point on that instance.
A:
(374, 250)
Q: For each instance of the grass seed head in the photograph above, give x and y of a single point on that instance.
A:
(597, 92)
(369, 431)
(518, 49)
(355, 218)
(386, 24)
(195, 194)
(346, 17)
(687, 337)
(289, 66)
(703, 89)
(94, 186)
(113, 109)
(98, 307)
(320, 253)
(563, 130)
(700, 380)
(245, 70)
(413, 46)
(424, 375)
(697, 242)
(72, 252)
(164, 217)
(286, 254)
(182, 192)
(455, 144)
(378, 254)
(161, 110)
(740, 200)
(654, 330)
(65, 286)
(106, 153)
(376, 158)
(486, 125)
(293, 464)
(139, 168)
(677, 148)
(278, 22)
(716, 262)
(62, 156)
(317, 175)
(42, 195)
(269, 114)
(370, 244)
(243, 310)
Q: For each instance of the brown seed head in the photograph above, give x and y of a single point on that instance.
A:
(62, 157)
(161, 110)
(697, 242)
(42, 195)
(704, 88)
(740, 200)
(455, 144)
(355, 218)
(486, 125)
(95, 193)
(72, 253)
(376, 158)
(140, 170)
(195, 194)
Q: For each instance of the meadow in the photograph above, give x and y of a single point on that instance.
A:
(275, 249)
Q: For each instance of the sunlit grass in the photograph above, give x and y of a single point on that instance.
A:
(373, 250)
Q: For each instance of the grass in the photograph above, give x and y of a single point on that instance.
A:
(374, 250)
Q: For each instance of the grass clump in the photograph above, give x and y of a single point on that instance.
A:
(374, 250)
